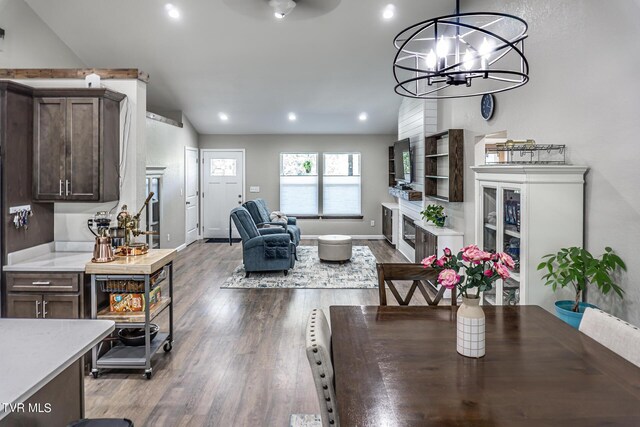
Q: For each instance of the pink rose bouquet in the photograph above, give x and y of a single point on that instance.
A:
(470, 268)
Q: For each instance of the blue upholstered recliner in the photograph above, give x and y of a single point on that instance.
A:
(270, 249)
(260, 214)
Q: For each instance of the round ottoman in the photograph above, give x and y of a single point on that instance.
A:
(334, 248)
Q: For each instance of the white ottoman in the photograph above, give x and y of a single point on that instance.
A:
(334, 248)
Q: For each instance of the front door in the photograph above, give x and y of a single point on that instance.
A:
(191, 194)
(222, 190)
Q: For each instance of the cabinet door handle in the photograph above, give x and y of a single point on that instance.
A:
(37, 309)
(41, 283)
(61, 187)
(44, 309)
(67, 187)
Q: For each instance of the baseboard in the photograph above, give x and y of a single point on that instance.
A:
(353, 236)
(181, 247)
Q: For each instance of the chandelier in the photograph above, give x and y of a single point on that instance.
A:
(461, 55)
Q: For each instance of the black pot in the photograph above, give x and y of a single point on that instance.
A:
(135, 336)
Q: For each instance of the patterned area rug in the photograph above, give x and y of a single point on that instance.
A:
(310, 273)
(305, 420)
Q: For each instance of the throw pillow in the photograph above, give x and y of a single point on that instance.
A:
(278, 216)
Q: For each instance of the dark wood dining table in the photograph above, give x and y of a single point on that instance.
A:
(398, 366)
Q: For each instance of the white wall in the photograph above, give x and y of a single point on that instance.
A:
(263, 169)
(165, 148)
(582, 93)
(29, 42)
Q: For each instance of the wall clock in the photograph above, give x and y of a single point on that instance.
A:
(487, 106)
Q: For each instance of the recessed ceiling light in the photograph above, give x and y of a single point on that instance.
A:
(389, 11)
(279, 15)
(363, 117)
(293, 117)
(223, 117)
(172, 11)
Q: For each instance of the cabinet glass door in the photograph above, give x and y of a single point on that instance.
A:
(489, 230)
(511, 243)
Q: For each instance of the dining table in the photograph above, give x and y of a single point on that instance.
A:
(398, 366)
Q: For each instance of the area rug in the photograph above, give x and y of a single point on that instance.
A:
(305, 420)
(310, 273)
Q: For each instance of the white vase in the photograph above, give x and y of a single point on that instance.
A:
(470, 328)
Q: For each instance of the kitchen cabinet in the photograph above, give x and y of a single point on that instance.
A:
(76, 140)
(426, 244)
(44, 295)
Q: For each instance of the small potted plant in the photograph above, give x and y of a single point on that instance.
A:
(307, 166)
(576, 267)
(434, 214)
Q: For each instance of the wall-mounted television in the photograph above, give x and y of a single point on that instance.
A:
(402, 161)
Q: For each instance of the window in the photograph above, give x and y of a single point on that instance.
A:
(341, 193)
(299, 183)
(223, 167)
(340, 181)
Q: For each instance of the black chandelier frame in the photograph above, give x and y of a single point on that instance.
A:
(453, 75)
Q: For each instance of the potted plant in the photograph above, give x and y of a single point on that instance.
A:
(576, 267)
(480, 270)
(434, 214)
(307, 166)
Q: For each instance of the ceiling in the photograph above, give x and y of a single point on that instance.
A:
(327, 69)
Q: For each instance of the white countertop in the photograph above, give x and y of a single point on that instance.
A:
(53, 261)
(34, 351)
(437, 231)
(58, 256)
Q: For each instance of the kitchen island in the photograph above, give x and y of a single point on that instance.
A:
(41, 369)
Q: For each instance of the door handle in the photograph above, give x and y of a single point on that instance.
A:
(188, 203)
(37, 309)
(44, 309)
(60, 191)
(67, 187)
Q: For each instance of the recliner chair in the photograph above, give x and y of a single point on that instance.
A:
(260, 214)
(272, 251)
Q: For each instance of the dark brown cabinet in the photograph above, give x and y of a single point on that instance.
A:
(76, 154)
(426, 244)
(44, 295)
(387, 223)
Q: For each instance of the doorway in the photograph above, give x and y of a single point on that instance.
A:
(222, 190)
(191, 193)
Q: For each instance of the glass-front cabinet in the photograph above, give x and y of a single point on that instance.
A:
(528, 211)
(499, 231)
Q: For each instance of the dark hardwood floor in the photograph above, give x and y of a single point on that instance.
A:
(238, 357)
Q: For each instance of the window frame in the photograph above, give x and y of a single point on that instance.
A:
(322, 182)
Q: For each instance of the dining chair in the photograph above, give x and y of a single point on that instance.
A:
(318, 343)
(421, 277)
(613, 333)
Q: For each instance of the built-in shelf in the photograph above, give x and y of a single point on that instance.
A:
(515, 276)
(490, 226)
(512, 233)
(447, 164)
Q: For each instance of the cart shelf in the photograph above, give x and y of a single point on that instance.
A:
(133, 356)
(134, 317)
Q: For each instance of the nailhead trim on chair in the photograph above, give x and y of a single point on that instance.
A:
(325, 386)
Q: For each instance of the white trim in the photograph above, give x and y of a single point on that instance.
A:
(355, 237)
(182, 247)
(184, 192)
(244, 178)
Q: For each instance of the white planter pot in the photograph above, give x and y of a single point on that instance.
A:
(470, 328)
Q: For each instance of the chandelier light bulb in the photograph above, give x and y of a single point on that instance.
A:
(442, 47)
(468, 60)
(430, 60)
(485, 49)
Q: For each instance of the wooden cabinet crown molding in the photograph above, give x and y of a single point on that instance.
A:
(78, 93)
(73, 73)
